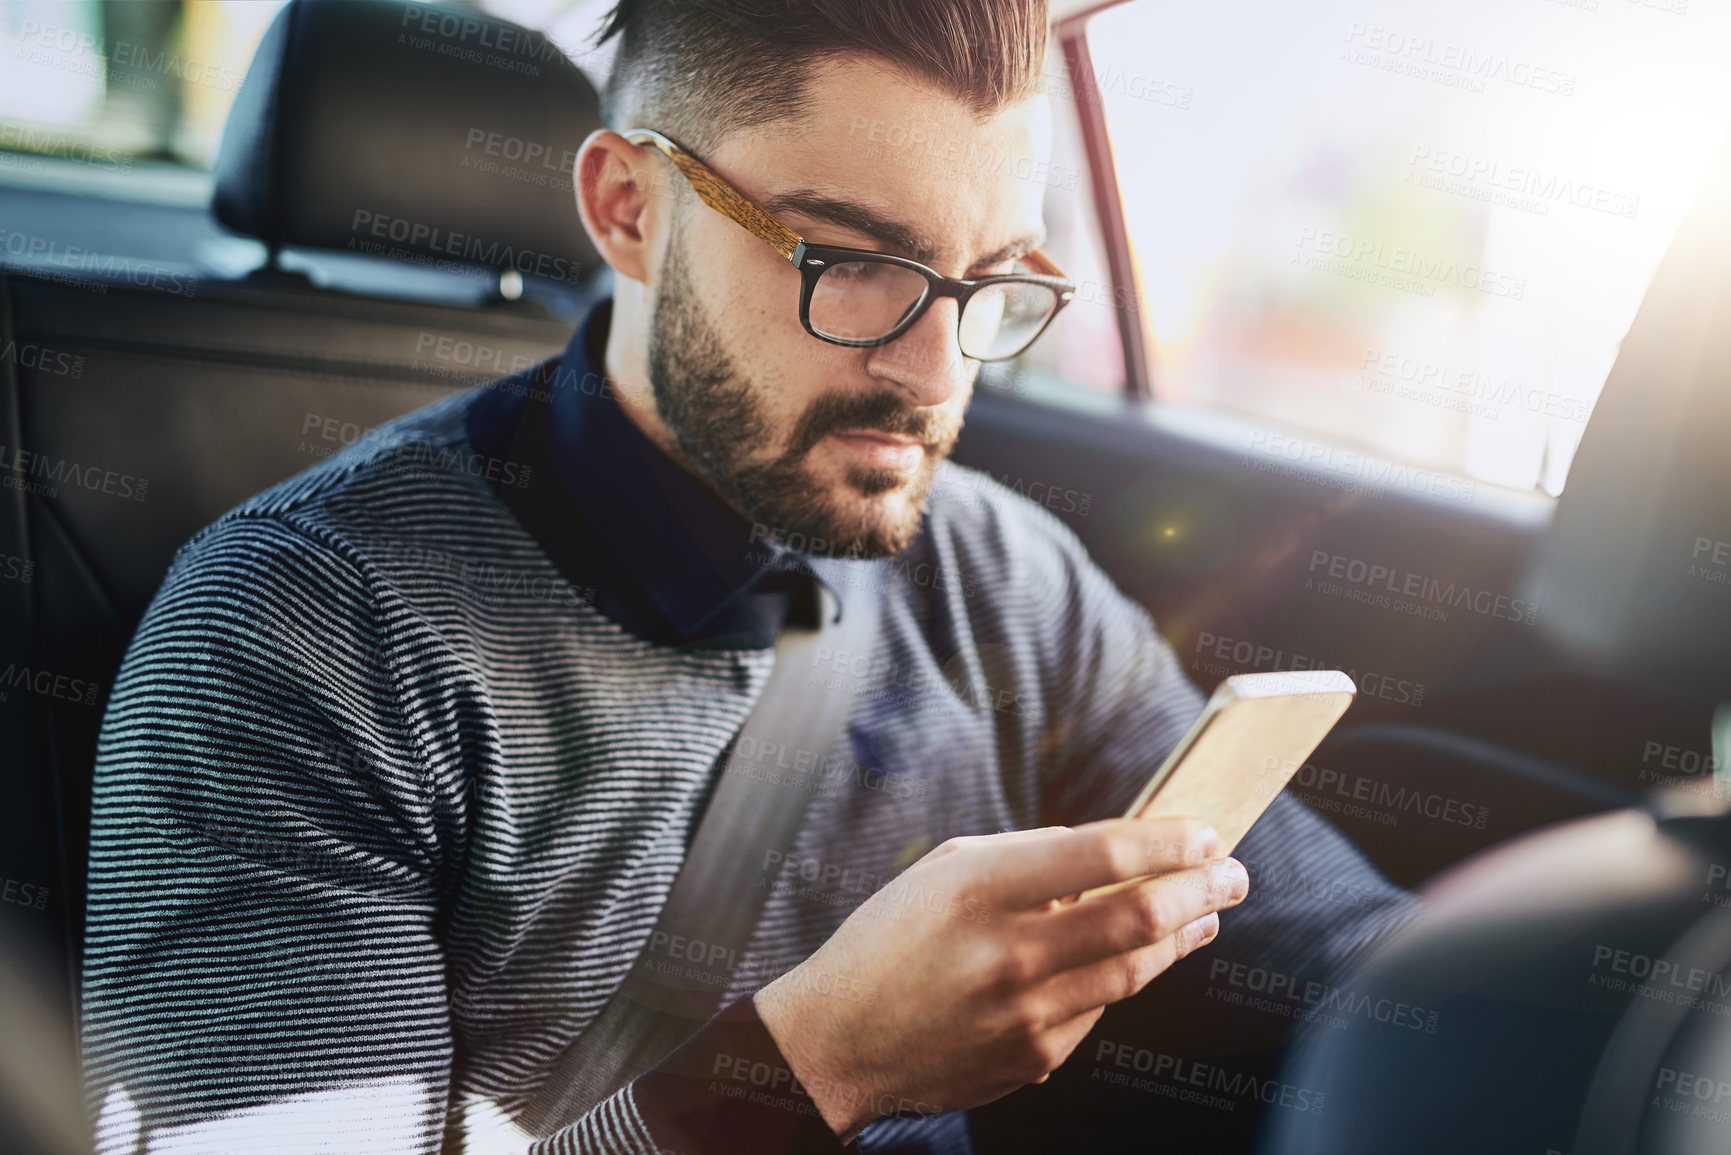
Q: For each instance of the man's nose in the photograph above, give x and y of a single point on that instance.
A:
(925, 363)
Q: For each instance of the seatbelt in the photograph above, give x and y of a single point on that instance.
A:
(757, 806)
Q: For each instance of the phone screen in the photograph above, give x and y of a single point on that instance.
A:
(1251, 738)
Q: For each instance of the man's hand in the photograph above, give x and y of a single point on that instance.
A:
(985, 977)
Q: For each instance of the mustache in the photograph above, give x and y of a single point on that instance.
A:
(878, 412)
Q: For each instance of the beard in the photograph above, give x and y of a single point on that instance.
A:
(716, 421)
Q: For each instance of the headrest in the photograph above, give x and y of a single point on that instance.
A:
(420, 131)
(1635, 575)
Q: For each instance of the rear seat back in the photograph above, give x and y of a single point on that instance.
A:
(150, 417)
(1636, 572)
(407, 129)
(132, 416)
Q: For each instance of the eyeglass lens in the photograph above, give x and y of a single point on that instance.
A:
(866, 300)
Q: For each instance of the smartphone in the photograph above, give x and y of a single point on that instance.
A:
(1251, 738)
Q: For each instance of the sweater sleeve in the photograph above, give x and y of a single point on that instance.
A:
(726, 1091)
(273, 852)
(1315, 900)
(261, 955)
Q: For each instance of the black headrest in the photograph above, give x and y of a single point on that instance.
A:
(420, 131)
(1635, 576)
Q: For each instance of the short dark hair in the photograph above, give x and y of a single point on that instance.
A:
(694, 69)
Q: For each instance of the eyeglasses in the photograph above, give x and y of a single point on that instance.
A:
(863, 299)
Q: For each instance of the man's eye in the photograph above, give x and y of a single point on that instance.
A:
(858, 272)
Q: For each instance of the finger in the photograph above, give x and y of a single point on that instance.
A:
(1070, 1032)
(1069, 860)
(964, 841)
(1112, 979)
(1139, 915)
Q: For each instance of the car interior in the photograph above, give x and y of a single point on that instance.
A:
(169, 354)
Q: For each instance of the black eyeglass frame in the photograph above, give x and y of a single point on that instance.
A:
(813, 260)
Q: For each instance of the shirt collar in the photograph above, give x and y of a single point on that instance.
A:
(695, 556)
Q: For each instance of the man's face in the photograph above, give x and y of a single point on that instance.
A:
(799, 434)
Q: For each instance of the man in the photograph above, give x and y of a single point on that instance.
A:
(406, 754)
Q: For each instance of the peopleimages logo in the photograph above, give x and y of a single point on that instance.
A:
(45, 143)
(48, 684)
(1207, 1076)
(40, 473)
(1660, 979)
(1429, 596)
(488, 360)
(42, 359)
(1288, 994)
(1684, 1092)
(1432, 167)
(32, 895)
(1273, 884)
(476, 41)
(1340, 791)
(1218, 655)
(528, 161)
(85, 263)
(1464, 389)
(1372, 254)
(1352, 471)
(891, 894)
(902, 143)
(118, 62)
(422, 238)
(1424, 57)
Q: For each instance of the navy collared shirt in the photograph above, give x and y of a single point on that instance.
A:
(656, 549)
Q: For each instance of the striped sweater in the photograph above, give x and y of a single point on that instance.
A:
(385, 807)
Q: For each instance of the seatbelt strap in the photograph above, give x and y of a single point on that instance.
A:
(758, 805)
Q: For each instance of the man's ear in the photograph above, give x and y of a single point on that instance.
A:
(616, 183)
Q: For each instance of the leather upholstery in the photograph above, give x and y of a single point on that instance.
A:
(152, 411)
(424, 131)
(1636, 573)
(180, 409)
(1538, 1008)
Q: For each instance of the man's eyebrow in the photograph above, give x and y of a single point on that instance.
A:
(856, 217)
(1020, 247)
(893, 234)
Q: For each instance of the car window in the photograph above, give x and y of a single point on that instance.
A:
(1419, 226)
(1081, 354)
(110, 86)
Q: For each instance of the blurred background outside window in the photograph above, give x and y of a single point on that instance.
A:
(113, 83)
(1416, 227)
(1420, 226)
